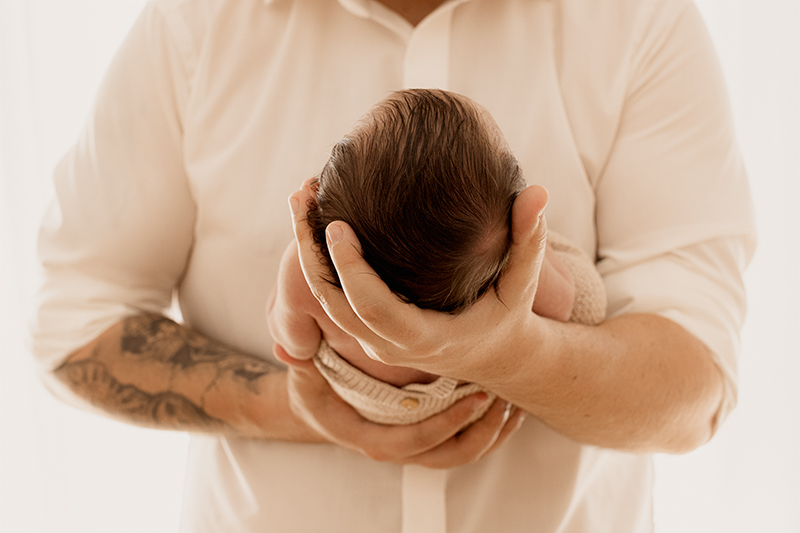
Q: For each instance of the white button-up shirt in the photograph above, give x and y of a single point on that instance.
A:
(213, 111)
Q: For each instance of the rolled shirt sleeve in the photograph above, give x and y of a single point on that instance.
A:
(674, 216)
(116, 238)
(616, 106)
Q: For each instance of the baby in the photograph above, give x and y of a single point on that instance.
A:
(426, 180)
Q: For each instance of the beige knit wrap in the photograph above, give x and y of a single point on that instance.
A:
(381, 402)
(590, 292)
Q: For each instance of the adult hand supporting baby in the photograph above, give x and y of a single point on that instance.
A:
(397, 333)
(636, 382)
(437, 442)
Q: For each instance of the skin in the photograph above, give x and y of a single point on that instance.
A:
(244, 395)
(412, 10)
(298, 322)
(637, 382)
(151, 372)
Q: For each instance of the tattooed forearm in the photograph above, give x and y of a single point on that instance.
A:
(159, 337)
(186, 351)
(151, 371)
(166, 410)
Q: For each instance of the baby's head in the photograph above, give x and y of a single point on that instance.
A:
(426, 181)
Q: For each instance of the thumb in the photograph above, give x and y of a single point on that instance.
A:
(528, 240)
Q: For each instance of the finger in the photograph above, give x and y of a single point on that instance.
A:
(511, 426)
(282, 355)
(370, 298)
(469, 445)
(322, 409)
(529, 237)
(399, 443)
(313, 401)
(310, 185)
(506, 415)
(333, 300)
(528, 207)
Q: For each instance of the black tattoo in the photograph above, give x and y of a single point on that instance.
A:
(162, 339)
(166, 410)
(173, 354)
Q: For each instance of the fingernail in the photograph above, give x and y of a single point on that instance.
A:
(334, 234)
(294, 203)
(481, 399)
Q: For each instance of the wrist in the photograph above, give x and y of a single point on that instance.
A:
(269, 416)
(517, 356)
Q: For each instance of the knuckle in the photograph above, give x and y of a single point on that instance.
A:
(319, 295)
(540, 238)
(371, 312)
(423, 345)
(458, 415)
(347, 261)
(464, 454)
(421, 440)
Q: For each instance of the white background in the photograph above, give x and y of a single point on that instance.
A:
(62, 470)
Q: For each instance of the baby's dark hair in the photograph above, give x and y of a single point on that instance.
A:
(427, 185)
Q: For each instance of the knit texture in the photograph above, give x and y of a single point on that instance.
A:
(383, 403)
(590, 292)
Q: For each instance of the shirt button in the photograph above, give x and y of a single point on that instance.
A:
(410, 404)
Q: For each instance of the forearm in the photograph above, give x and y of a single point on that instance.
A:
(149, 371)
(637, 382)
